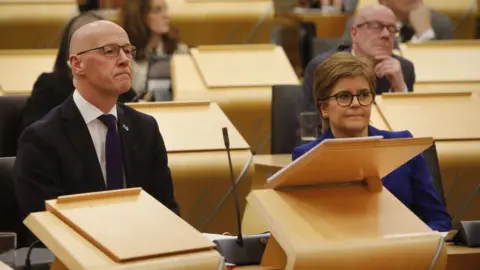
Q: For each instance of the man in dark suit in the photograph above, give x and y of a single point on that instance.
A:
(373, 36)
(90, 143)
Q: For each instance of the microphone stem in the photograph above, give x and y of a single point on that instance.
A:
(235, 194)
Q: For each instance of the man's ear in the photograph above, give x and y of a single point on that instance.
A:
(76, 64)
(353, 34)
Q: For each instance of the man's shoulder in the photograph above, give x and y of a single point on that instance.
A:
(134, 114)
(45, 127)
(403, 60)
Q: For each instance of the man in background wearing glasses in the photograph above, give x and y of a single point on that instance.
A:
(90, 143)
(373, 37)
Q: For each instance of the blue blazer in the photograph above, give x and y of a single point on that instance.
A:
(411, 183)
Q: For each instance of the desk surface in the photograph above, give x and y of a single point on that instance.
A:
(19, 69)
(443, 116)
(454, 61)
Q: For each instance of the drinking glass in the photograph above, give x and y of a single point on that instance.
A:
(8, 245)
(309, 125)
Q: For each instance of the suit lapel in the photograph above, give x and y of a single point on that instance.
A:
(80, 137)
(129, 146)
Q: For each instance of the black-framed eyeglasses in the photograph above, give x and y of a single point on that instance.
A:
(378, 26)
(113, 50)
(345, 98)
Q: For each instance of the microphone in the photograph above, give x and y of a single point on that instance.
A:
(240, 250)
(226, 140)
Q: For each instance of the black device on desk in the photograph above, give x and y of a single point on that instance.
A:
(158, 81)
(244, 249)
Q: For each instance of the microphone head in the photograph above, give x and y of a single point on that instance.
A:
(226, 140)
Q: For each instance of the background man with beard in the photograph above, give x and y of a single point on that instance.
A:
(373, 36)
(90, 142)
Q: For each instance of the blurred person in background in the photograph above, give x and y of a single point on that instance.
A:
(373, 37)
(344, 91)
(416, 22)
(52, 89)
(147, 24)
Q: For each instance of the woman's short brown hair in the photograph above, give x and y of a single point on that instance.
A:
(133, 20)
(338, 66)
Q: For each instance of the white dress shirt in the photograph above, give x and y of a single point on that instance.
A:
(98, 131)
(425, 36)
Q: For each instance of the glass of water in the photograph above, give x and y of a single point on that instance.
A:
(309, 126)
(8, 245)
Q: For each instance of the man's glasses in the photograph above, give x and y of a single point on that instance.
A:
(113, 50)
(345, 98)
(378, 26)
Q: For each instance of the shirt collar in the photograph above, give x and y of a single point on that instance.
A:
(87, 110)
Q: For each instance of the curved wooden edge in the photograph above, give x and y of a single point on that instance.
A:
(97, 195)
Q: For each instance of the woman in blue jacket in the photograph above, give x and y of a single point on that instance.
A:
(344, 89)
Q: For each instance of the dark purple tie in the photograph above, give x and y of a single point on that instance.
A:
(113, 153)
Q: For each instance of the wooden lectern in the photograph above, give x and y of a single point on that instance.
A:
(192, 132)
(450, 119)
(239, 78)
(123, 229)
(329, 210)
(19, 69)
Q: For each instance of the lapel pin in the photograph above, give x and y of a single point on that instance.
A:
(125, 127)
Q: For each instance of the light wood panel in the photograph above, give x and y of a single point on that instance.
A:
(200, 170)
(19, 69)
(438, 115)
(247, 107)
(345, 226)
(459, 257)
(447, 118)
(34, 24)
(135, 219)
(76, 253)
(38, 24)
(192, 126)
(445, 65)
(321, 163)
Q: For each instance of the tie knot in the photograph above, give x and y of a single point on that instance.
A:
(108, 120)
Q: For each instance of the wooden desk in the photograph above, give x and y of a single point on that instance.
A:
(454, 67)
(238, 78)
(192, 132)
(457, 139)
(459, 257)
(37, 24)
(33, 24)
(19, 69)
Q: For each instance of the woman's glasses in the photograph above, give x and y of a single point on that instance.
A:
(345, 98)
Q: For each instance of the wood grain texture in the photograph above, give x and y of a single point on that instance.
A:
(19, 69)
(74, 252)
(437, 115)
(370, 158)
(247, 107)
(433, 62)
(346, 228)
(198, 161)
(135, 222)
(192, 126)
